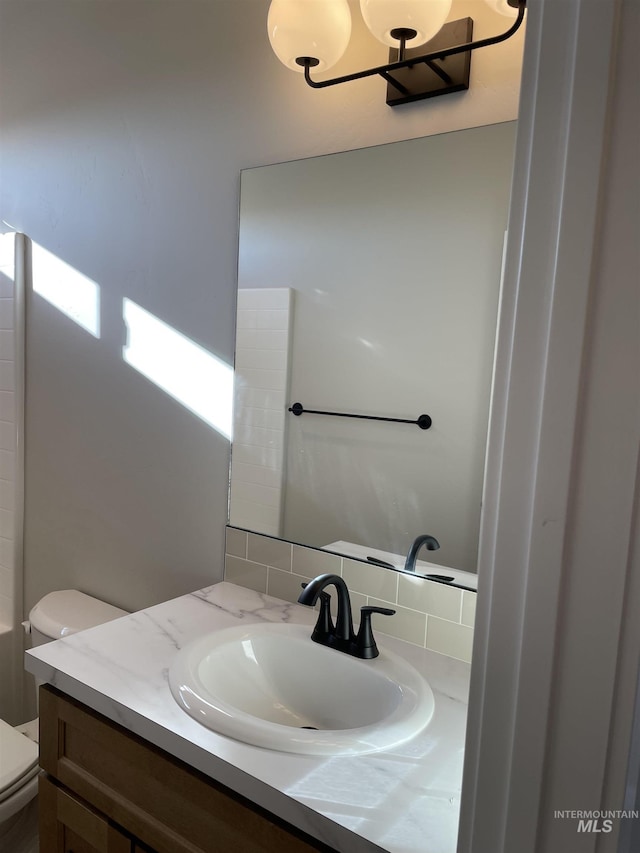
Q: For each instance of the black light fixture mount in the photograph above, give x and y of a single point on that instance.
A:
(439, 67)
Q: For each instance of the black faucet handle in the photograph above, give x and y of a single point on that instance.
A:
(365, 643)
(385, 611)
(324, 627)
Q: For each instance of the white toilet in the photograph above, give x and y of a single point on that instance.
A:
(54, 616)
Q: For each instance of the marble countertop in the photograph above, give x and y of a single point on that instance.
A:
(403, 800)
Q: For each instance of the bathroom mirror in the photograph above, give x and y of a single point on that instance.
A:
(368, 284)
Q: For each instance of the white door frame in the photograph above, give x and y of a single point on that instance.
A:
(554, 659)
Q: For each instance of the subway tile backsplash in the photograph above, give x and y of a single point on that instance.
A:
(428, 613)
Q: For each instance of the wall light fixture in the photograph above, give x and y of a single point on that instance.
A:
(427, 57)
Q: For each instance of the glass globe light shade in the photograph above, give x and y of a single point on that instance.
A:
(502, 7)
(314, 28)
(426, 17)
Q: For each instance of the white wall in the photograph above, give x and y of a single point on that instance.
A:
(124, 127)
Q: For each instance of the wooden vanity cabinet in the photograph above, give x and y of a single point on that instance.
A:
(67, 825)
(105, 790)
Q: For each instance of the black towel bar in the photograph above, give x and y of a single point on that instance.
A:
(423, 421)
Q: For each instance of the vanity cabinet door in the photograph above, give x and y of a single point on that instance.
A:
(68, 825)
(166, 806)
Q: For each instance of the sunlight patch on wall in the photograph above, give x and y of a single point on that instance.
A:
(182, 368)
(68, 290)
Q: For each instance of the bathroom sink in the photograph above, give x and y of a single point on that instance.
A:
(270, 685)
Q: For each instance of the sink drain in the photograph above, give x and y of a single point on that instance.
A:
(314, 728)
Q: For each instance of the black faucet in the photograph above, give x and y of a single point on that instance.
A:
(341, 636)
(431, 544)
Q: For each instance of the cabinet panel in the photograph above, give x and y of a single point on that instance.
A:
(70, 826)
(162, 802)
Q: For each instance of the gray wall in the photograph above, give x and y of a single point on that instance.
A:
(124, 127)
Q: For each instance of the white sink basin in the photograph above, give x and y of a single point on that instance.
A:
(270, 685)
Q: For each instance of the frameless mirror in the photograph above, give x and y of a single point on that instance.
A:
(368, 285)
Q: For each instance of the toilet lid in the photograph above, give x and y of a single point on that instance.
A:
(67, 611)
(18, 758)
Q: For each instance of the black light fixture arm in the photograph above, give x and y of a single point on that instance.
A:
(428, 58)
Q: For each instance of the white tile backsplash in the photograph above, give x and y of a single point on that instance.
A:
(260, 398)
(405, 624)
(449, 638)
(246, 574)
(6, 523)
(6, 312)
(7, 552)
(261, 359)
(7, 465)
(7, 376)
(436, 598)
(261, 338)
(7, 343)
(250, 434)
(272, 552)
(236, 542)
(267, 496)
(7, 435)
(370, 580)
(257, 377)
(264, 418)
(273, 319)
(428, 613)
(6, 279)
(264, 517)
(263, 298)
(7, 495)
(253, 454)
(257, 474)
(7, 581)
(285, 585)
(7, 406)
(310, 562)
(468, 608)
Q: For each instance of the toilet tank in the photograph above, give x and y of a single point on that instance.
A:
(66, 612)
